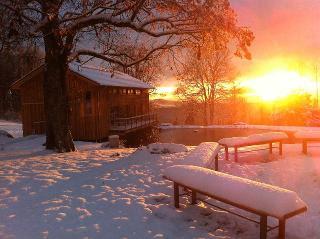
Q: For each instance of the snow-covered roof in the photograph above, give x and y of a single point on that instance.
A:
(107, 77)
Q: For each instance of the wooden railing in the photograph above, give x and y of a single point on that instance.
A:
(129, 123)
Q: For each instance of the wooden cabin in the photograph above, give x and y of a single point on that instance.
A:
(102, 102)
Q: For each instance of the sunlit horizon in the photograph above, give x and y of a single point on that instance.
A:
(275, 79)
(166, 92)
(278, 84)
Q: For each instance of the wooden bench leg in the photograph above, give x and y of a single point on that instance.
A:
(226, 152)
(176, 194)
(193, 197)
(236, 154)
(280, 148)
(263, 227)
(282, 229)
(270, 148)
(304, 147)
(216, 163)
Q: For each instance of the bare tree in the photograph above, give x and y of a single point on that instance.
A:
(148, 70)
(72, 29)
(206, 77)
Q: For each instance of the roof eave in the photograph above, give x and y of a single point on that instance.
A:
(16, 85)
(97, 83)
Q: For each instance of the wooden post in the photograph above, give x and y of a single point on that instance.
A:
(280, 148)
(114, 141)
(193, 197)
(270, 148)
(216, 163)
(263, 227)
(226, 152)
(176, 194)
(304, 146)
(282, 229)
(236, 154)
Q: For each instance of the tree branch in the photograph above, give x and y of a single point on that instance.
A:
(114, 60)
(141, 28)
(18, 13)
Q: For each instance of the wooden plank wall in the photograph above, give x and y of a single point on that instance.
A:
(83, 125)
(103, 113)
(32, 110)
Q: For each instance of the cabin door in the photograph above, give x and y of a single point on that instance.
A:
(33, 118)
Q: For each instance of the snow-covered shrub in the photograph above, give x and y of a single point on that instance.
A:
(166, 148)
(4, 133)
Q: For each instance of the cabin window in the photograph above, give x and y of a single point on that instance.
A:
(130, 91)
(113, 91)
(138, 92)
(88, 103)
(124, 91)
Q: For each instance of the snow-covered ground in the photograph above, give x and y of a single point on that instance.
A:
(13, 128)
(120, 193)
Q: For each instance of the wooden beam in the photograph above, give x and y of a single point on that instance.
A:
(193, 197)
(216, 163)
(304, 147)
(226, 153)
(282, 229)
(263, 226)
(176, 194)
(236, 154)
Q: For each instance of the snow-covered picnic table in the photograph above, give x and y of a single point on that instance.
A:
(254, 139)
(259, 198)
(204, 155)
(307, 136)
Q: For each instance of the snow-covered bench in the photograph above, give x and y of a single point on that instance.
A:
(204, 155)
(261, 199)
(307, 136)
(254, 139)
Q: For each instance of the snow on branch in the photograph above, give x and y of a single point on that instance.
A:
(114, 58)
(128, 23)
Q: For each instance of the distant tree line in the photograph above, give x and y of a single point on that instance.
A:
(295, 110)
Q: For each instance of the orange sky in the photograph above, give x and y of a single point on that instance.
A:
(282, 28)
(287, 35)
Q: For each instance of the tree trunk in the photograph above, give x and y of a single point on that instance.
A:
(205, 112)
(55, 88)
(212, 111)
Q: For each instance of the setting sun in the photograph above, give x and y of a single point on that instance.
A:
(165, 92)
(278, 85)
